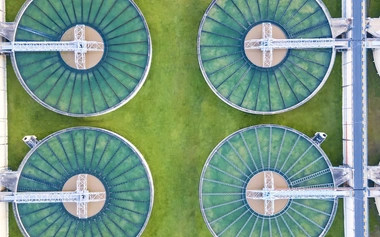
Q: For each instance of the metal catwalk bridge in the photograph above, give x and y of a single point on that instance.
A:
(354, 66)
(269, 193)
(81, 196)
(79, 46)
(267, 44)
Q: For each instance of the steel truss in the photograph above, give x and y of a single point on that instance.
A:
(267, 44)
(269, 193)
(81, 196)
(79, 46)
(268, 188)
(298, 193)
(267, 52)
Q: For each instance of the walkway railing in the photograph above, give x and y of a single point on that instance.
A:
(4, 230)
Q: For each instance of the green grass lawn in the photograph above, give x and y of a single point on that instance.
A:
(176, 120)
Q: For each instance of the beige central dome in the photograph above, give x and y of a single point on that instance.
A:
(256, 55)
(93, 185)
(92, 57)
(257, 183)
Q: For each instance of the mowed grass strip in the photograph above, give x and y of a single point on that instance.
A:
(176, 120)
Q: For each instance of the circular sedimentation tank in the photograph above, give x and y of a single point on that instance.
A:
(111, 163)
(238, 164)
(111, 78)
(237, 75)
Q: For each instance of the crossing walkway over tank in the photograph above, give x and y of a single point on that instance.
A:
(113, 165)
(239, 163)
(237, 75)
(111, 77)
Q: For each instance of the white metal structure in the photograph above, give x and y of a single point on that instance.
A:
(79, 46)
(81, 196)
(85, 196)
(267, 44)
(79, 36)
(268, 188)
(269, 193)
(45, 46)
(4, 229)
(299, 193)
(267, 52)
